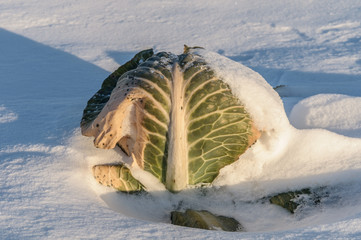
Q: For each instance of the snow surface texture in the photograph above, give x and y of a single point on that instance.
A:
(7, 116)
(335, 112)
(54, 55)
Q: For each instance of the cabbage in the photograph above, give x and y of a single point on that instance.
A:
(173, 116)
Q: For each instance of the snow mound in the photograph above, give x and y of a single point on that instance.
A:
(335, 112)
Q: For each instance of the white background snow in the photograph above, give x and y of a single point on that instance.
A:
(55, 54)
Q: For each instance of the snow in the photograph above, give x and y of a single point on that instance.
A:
(55, 54)
(335, 112)
(6, 115)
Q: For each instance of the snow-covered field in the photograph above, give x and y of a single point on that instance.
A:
(55, 54)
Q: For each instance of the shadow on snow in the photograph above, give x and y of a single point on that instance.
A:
(45, 87)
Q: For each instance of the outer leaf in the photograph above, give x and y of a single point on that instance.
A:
(288, 200)
(118, 177)
(98, 101)
(205, 220)
(140, 101)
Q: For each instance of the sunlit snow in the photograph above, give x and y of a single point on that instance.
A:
(55, 54)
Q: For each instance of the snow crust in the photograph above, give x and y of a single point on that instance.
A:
(54, 55)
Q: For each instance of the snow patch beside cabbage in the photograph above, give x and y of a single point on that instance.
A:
(335, 112)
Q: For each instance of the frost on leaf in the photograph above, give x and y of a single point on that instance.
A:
(175, 117)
